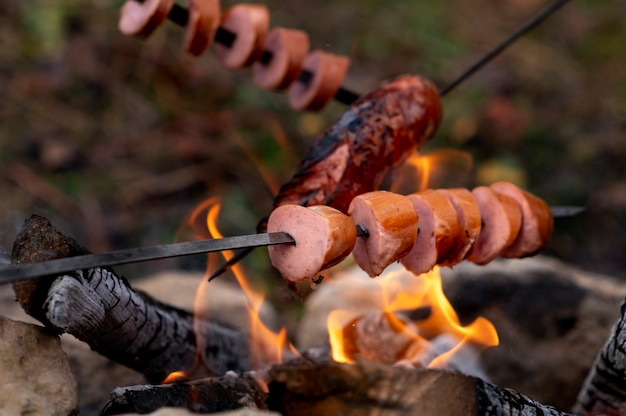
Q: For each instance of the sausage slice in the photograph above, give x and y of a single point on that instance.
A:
(324, 237)
(328, 71)
(203, 21)
(286, 50)
(250, 24)
(537, 221)
(439, 235)
(141, 19)
(502, 219)
(391, 222)
(469, 215)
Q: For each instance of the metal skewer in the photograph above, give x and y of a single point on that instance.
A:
(12, 273)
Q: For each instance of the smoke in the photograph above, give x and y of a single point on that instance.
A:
(5, 257)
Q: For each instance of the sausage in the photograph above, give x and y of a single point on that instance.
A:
(324, 237)
(141, 19)
(502, 220)
(537, 221)
(328, 71)
(288, 49)
(439, 235)
(374, 135)
(203, 21)
(469, 215)
(250, 24)
(391, 222)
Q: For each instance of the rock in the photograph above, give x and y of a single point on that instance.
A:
(37, 379)
(551, 318)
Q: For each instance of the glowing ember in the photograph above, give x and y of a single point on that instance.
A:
(389, 335)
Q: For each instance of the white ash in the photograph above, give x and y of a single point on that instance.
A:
(5, 257)
(464, 360)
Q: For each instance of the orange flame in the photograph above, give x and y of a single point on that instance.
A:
(413, 339)
(434, 169)
(267, 347)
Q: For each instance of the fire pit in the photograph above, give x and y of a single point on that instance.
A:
(314, 381)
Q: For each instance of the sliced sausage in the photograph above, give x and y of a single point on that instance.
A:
(250, 24)
(502, 219)
(440, 233)
(141, 19)
(327, 73)
(469, 215)
(204, 19)
(324, 237)
(281, 63)
(537, 222)
(391, 222)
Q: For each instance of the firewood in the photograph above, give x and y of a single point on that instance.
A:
(369, 388)
(100, 308)
(209, 395)
(604, 389)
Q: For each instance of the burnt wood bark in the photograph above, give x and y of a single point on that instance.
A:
(369, 388)
(209, 395)
(604, 390)
(100, 308)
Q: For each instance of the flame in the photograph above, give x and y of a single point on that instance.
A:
(267, 346)
(434, 169)
(386, 334)
(175, 376)
(399, 338)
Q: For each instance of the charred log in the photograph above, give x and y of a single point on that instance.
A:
(369, 388)
(209, 395)
(604, 390)
(100, 308)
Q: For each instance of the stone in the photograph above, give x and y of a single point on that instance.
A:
(36, 375)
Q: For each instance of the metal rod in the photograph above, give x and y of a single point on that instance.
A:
(530, 24)
(135, 255)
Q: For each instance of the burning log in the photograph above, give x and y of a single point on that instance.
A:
(369, 388)
(100, 308)
(604, 390)
(210, 395)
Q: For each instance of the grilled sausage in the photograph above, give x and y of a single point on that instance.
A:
(375, 135)
(391, 222)
(469, 215)
(440, 232)
(502, 219)
(537, 222)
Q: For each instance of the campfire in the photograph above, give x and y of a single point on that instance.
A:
(402, 285)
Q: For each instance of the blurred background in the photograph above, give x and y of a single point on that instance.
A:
(116, 139)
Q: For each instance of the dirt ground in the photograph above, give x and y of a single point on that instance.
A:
(117, 139)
